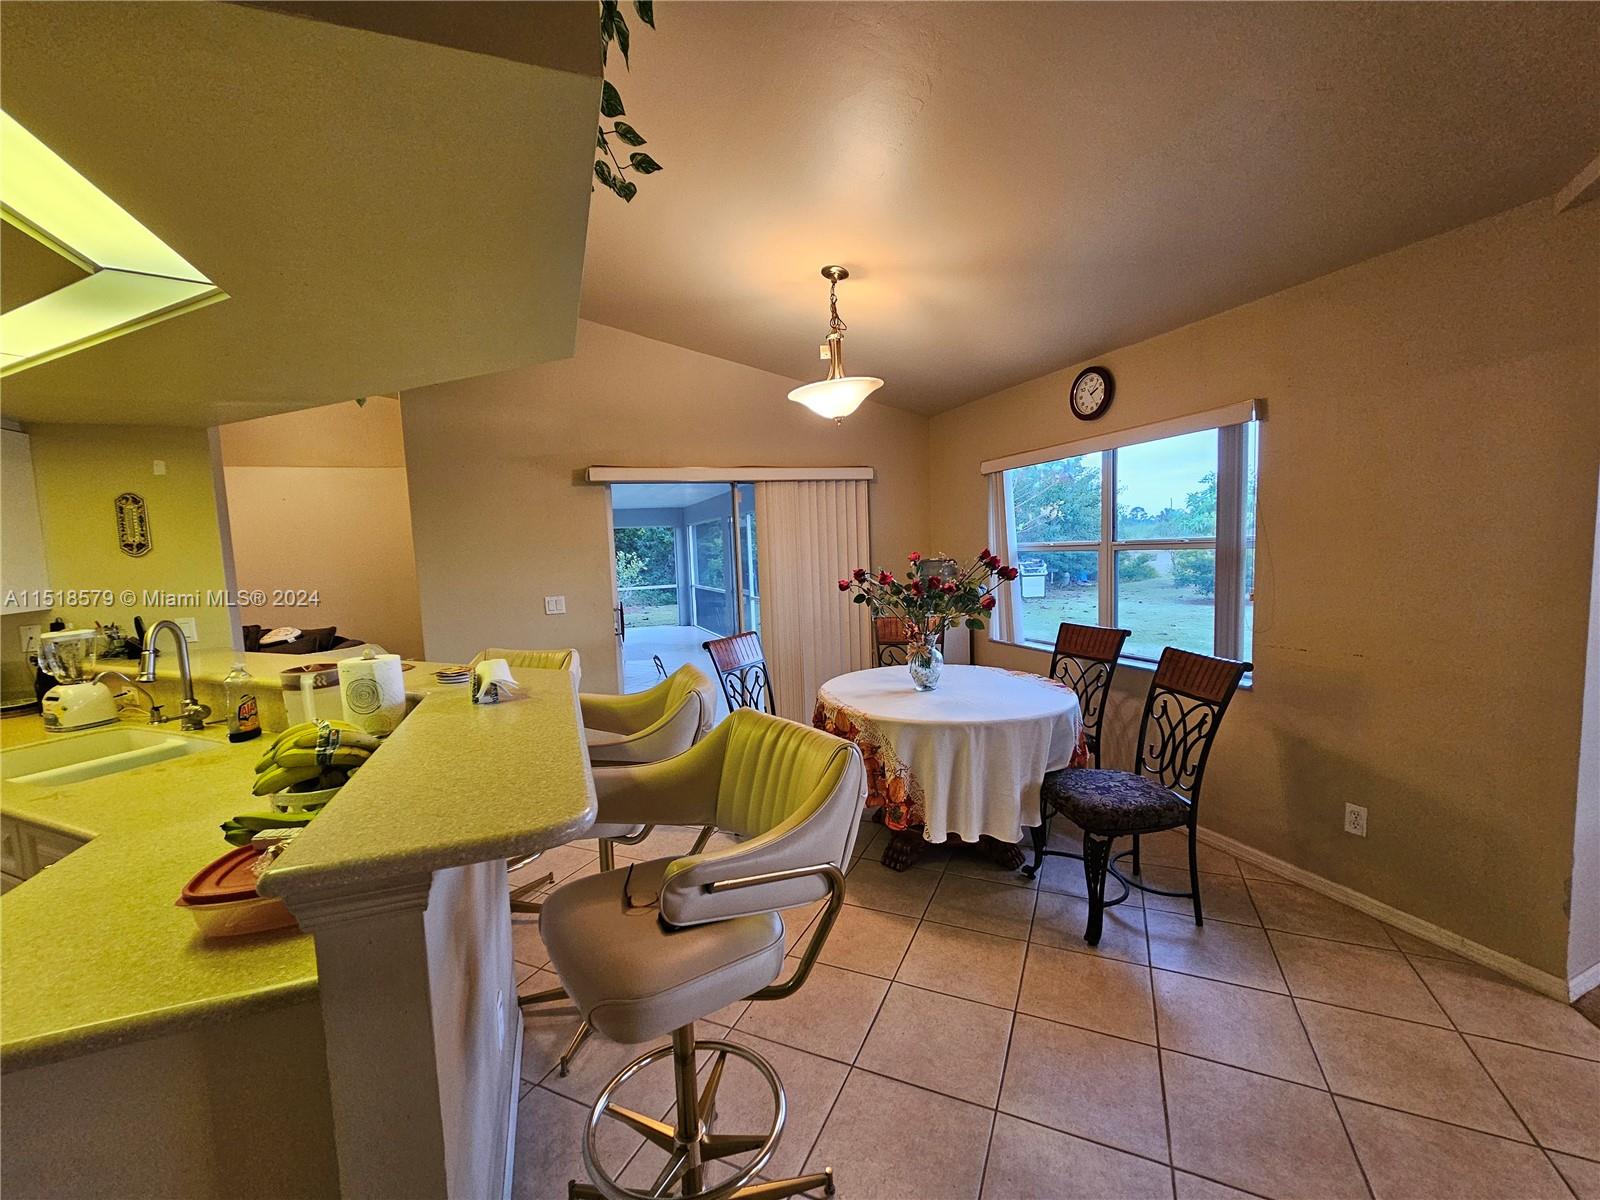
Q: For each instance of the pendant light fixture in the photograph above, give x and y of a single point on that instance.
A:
(839, 394)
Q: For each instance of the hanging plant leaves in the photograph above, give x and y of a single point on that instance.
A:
(619, 30)
(628, 134)
(602, 172)
(608, 25)
(643, 163)
(600, 138)
(646, 11)
(625, 188)
(610, 100)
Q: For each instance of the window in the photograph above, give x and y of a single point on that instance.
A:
(709, 575)
(1157, 537)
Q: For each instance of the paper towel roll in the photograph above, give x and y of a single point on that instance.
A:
(373, 692)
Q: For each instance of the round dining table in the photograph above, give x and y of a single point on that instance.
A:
(964, 760)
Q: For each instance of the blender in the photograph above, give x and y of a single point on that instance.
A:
(75, 702)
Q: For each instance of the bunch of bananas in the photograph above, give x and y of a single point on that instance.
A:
(313, 755)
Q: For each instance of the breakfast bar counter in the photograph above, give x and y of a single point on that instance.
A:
(393, 1002)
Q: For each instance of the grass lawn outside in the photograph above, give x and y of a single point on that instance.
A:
(641, 615)
(1158, 613)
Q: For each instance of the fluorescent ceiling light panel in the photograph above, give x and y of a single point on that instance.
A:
(137, 278)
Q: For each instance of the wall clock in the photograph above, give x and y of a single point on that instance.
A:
(1091, 393)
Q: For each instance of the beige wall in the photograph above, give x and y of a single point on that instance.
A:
(1427, 493)
(317, 500)
(502, 518)
(80, 470)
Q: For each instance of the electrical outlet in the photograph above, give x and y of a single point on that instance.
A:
(30, 637)
(1355, 820)
(555, 606)
(190, 632)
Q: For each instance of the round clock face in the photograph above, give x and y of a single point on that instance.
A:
(1091, 393)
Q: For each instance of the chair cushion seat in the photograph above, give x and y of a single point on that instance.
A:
(635, 978)
(1111, 802)
(602, 737)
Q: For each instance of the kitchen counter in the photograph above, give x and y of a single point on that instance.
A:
(95, 953)
(468, 783)
(93, 950)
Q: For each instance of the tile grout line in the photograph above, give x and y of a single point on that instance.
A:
(1473, 1050)
(1338, 1112)
(1161, 1066)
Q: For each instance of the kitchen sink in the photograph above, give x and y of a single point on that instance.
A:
(69, 758)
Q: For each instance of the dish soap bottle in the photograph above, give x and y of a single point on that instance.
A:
(244, 716)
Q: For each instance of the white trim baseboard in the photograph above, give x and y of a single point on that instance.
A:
(1529, 976)
(1584, 981)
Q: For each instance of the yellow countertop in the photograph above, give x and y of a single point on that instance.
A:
(93, 951)
(458, 783)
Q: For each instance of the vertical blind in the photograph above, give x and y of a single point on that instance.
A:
(809, 535)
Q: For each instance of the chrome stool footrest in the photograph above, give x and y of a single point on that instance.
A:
(690, 1140)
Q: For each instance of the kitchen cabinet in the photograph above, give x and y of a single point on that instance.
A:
(23, 574)
(27, 849)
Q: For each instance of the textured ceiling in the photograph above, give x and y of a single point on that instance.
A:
(1017, 187)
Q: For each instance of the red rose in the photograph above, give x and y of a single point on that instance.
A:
(913, 558)
(984, 553)
(993, 562)
(1008, 573)
(916, 587)
(950, 589)
(987, 603)
(859, 574)
(844, 585)
(885, 578)
(934, 581)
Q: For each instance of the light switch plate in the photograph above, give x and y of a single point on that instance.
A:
(158, 467)
(555, 606)
(190, 632)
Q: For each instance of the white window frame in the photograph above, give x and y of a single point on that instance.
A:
(1229, 543)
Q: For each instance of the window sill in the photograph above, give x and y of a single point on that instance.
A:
(1126, 661)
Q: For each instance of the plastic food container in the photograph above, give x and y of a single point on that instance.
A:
(222, 898)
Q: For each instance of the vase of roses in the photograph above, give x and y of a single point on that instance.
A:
(932, 595)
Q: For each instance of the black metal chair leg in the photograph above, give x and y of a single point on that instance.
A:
(1194, 878)
(1096, 856)
(1136, 854)
(1040, 834)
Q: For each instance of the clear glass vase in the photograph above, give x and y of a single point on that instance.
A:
(925, 663)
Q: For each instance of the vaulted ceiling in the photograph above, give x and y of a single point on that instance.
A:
(1016, 187)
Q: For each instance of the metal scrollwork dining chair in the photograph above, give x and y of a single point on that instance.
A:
(1188, 697)
(1085, 659)
(891, 641)
(741, 667)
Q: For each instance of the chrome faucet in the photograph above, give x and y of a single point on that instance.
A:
(193, 714)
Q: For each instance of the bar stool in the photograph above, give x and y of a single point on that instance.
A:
(635, 728)
(651, 948)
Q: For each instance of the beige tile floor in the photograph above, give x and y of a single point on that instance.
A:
(961, 1041)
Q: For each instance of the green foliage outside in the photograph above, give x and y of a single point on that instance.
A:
(648, 554)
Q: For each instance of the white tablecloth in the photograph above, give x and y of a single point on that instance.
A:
(966, 758)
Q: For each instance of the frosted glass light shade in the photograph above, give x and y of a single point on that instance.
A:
(134, 278)
(836, 398)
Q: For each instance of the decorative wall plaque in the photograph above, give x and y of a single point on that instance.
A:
(133, 525)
